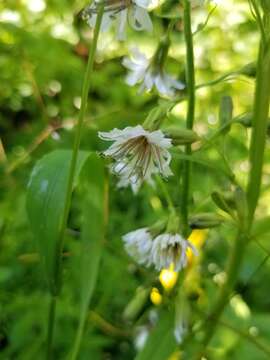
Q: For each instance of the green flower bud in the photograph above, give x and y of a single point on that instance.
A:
(156, 116)
(249, 70)
(205, 221)
(245, 120)
(241, 205)
(225, 112)
(224, 203)
(136, 305)
(181, 136)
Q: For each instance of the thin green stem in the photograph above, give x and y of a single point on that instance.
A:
(78, 340)
(258, 18)
(190, 78)
(75, 150)
(256, 156)
(51, 320)
(166, 193)
(259, 125)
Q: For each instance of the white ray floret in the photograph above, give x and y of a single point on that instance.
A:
(170, 249)
(138, 245)
(118, 13)
(138, 154)
(144, 71)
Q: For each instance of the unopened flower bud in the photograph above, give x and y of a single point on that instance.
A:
(222, 202)
(156, 116)
(249, 70)
(225, 113)
(241, 205)
(181, 136)
(205, 221)
(135, 306)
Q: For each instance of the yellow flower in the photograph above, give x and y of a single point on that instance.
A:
(155, 297)
(168, 278)
(196, 238)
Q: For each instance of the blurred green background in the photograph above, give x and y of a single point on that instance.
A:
(43, 53)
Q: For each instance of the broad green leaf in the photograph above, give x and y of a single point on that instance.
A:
(93, 189)
(161, 342)
(45, 204)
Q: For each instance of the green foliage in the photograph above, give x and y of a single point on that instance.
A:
(42, 64)
(45, 206)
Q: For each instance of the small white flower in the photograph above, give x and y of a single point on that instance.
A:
(170, 249)
(144, 70)
(139, 154)
(138, 245)
(119, 13)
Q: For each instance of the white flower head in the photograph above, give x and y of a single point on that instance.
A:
(145, 71)
(119, 13)
(138, 154)
(170, 249)
(138, 245)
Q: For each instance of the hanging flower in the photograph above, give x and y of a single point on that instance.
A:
(138, 245)
(119, 13)
(138, 153)
(149, 72)
(170, 249)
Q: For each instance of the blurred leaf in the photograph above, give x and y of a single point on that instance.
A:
(45, 204)
(93, 189)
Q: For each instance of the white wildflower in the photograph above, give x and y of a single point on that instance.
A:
(149, 74)
(138, 245)
(139, 154)
(170, 249)
(119, 13)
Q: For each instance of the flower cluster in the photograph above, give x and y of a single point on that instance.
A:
(161, 251)
(140, 152)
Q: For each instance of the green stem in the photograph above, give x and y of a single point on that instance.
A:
(166, 193)
(78, 339)
(256, 156)
(75, 150)
(190, 78)
(51, 320)
(259, 126)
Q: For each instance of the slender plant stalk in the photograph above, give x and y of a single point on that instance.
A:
(190, 78)
(51, 320)
(256, 156)
(75, 150)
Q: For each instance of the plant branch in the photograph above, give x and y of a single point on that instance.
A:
(190, 78)
(75, 151)
(256, 156)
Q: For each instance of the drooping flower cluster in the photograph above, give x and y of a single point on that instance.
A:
(160, 251)
(138, 154)
(150, 73)
(118, 13)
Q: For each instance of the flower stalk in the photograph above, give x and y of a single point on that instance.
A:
(75, 151)
(190, 79)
